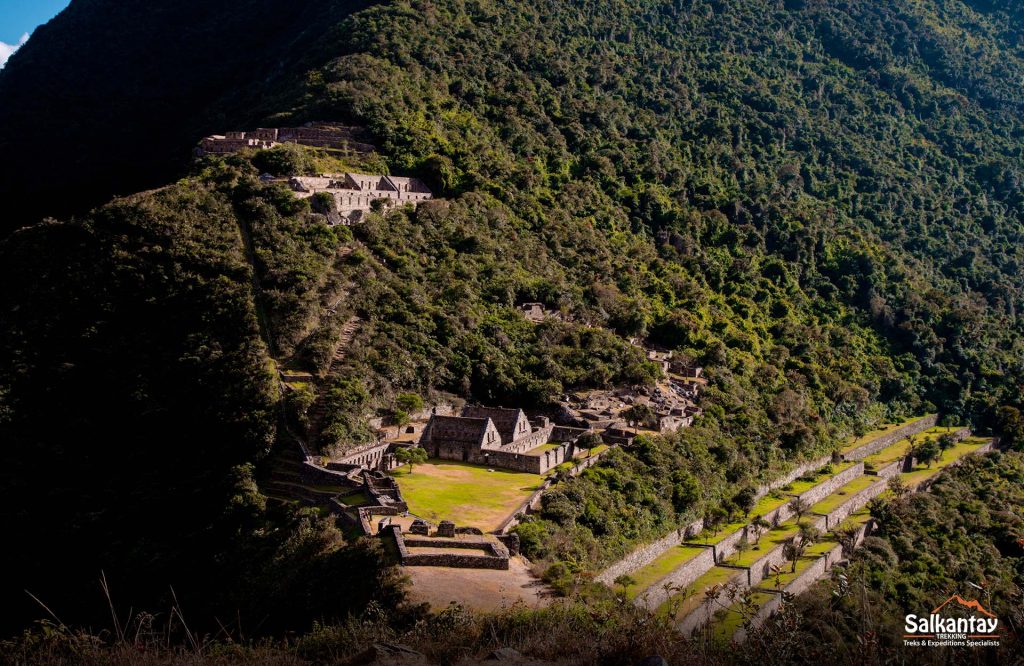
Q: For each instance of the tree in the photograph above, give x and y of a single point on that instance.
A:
(758, 526)
(746, 500)
(625, 581)
(641, 414)
(847, 537)
(929, 452)
(714, 518)
(947, 441)
(898, 487)
(411, 456)
(799, 506)
(409, 402)
(799, 543)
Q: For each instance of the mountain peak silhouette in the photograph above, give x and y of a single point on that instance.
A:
(973, 605)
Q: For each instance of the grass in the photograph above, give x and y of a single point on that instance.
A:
(836, 499)
(667, 562)
(878, 432)
(541, 449)
(729, 620)
(356, 499)
(765, 505)
(800, 487)
(682, 604)
(467, 494)
(922, 473)
(768, 542)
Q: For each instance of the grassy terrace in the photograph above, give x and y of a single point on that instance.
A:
(769, 541)
(836, 499)
(727, 621)
(541, 449)
(949, 456)
(889, 454)
(900, 449)
(682, 604)
(466, 494)
(878, 432)
(649, 575)
(765, 505)
(800, 486)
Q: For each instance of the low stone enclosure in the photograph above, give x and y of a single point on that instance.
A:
(465, 551)
(691, 571)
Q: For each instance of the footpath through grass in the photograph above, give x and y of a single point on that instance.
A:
(468, 495)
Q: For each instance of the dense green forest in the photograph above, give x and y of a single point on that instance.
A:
(820, 203)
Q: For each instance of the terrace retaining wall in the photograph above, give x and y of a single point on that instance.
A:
(826, 488)
(641, 557)
(798, 585)
(678, 579)
(876, 445)
(762, 567)
(853, 504)
(701, 615)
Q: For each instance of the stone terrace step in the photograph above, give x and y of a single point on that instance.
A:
(679, 565)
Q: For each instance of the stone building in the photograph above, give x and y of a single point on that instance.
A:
(354, 193)
(495, 437)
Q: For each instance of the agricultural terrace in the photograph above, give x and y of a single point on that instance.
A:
(922, 473)
(679, 606)
(878, 432)
(469, 495)
(665, 564)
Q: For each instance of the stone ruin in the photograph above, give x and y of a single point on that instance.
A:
(315, 135)
(497, 437)
(354, 194)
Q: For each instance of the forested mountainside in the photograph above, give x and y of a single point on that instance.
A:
(820, 203)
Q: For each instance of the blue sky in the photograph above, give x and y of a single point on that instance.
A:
(20, 17)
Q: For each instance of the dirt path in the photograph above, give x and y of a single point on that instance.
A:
(478, 589)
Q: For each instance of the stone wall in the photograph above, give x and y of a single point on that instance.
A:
(876, 445)
(679, 578)
(793, 475)
(315, 475)
(703, 613)
(826, 488)
(798, 585)
(497, 558)
(761, 568)
(644, 555)
(853, 504)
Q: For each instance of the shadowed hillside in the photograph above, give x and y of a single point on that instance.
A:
(819, 203)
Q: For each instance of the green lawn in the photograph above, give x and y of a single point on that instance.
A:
(836, 499)
(468, 495)
(357, 499)
(668, 561)
(878, 432)
(542, 448)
